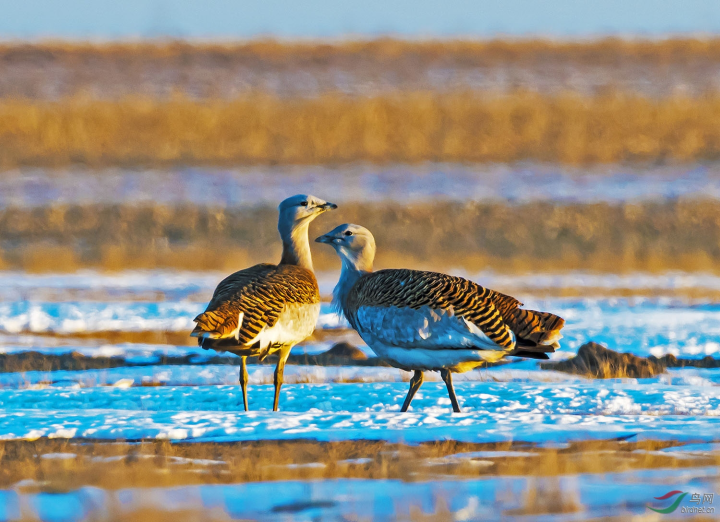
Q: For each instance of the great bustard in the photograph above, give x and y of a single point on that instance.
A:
(426, 321)
(268, 308)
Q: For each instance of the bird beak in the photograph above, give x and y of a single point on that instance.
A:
(325, 239)
(327, 206)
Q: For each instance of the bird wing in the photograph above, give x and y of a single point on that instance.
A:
(412, 308)
(248, 301)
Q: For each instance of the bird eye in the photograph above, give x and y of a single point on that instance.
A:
(304, 204)
(348, 233)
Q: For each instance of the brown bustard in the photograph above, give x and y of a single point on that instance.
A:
(426, 321)
(268, 308)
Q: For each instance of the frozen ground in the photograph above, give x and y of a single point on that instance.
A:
(202, 401)
(644, 326)
(162, 285)
(503, 405)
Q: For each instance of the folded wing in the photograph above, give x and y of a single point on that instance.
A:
(412, 308)
(251, 300)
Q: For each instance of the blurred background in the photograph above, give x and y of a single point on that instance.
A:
(566, 152)
(548, 136)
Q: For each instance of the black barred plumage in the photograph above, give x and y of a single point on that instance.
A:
(496, 314)
(415, 289)
(260, 293)
(422, 321)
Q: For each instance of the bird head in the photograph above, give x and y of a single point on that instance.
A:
(301, 209)
(354, 244)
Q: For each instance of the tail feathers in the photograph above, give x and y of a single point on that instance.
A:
(541, 329)
(222, 344)
(529, 354)
(214, 326)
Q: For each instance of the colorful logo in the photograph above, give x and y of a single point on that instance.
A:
(672, 507)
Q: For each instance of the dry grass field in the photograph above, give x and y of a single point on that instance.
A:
(224, 70)
(381, 101)
(408, 127)
(652, 236)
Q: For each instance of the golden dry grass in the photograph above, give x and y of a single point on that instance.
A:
(407, 127)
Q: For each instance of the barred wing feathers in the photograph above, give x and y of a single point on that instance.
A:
(248, 301)
(412, 308)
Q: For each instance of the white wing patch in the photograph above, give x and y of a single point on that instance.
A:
(236, 332)
(423, 328)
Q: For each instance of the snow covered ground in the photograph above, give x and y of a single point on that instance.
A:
(202, 401)
(250, 186)
(503, 405)
(643, 326)
(166, 285)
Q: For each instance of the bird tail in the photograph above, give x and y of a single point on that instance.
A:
(211, 328)
(537, 332)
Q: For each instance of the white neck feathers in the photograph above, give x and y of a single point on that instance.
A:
(296, 247)
(354, 266)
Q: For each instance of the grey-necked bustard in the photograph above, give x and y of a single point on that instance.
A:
(424, 321)
(268, 308)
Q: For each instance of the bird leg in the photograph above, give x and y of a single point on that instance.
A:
(244, 380)
(447, 377)
(279, 370)
(415, 383)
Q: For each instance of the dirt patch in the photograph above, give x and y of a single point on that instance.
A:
(597, 361)
(342, 354)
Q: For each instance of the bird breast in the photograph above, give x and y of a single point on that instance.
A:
(295, 323)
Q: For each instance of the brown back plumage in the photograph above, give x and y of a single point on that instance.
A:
(495, 314)
(260, 293)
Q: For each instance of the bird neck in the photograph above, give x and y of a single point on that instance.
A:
(296, 247)
(351, 271)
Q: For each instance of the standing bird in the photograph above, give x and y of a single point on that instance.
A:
(422, 321)
(268, 308)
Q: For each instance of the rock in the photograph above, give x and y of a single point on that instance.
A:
(347, 350)
(595, 360)
(341, 354)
